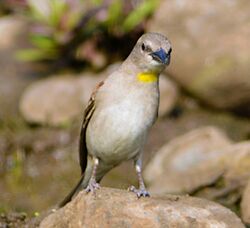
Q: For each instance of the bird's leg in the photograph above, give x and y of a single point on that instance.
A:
(93, 185)
(142, 190)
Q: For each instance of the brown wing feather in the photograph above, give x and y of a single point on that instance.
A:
(83, 151)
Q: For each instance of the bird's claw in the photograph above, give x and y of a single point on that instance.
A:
(139, 192)
(92, 187)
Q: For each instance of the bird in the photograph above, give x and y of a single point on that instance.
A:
(120, 113)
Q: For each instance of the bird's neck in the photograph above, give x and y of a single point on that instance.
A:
(140, 74)
(147, 77)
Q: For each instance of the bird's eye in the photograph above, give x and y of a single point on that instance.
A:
(146, 48)
(143, 47)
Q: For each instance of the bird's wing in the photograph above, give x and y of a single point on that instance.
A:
(83, 151)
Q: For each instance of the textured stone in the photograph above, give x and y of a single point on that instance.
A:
(168, 95)
(210, 55)
(117, 208)
(57, 100)
(203, 163)
(245, 205)
(187, 162)
(237, 162)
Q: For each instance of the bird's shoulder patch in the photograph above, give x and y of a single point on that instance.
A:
(147, 77)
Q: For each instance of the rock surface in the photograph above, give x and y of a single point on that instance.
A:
(203, 163)
(210, 55)
(14, 75)
(245, 205)
(228, 188)
(117, 208)
(237, 162)
(57, 100)
(168, 95)
(187, 162)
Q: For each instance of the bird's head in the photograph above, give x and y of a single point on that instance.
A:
(151, 53)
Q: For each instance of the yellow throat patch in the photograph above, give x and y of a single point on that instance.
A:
(147, 77)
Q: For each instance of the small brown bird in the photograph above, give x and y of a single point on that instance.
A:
(120, 113)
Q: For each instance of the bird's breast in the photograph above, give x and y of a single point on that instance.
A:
(117, 130)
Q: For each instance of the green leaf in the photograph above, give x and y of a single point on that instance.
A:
(43, 42)
(139, 14)
(114, 13)
(35, 55)
(96, 2)
(58, 8)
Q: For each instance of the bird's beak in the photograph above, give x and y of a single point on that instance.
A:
(161, 56)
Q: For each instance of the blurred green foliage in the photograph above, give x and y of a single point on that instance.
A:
(60, 28)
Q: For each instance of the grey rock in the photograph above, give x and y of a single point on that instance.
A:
(117, 208)
(237, 162)
(232, 186)
(203, 163)
(210, 55)
(187, 162)
(14, 75)
(57, 100)
(168, 95)
(245, 205)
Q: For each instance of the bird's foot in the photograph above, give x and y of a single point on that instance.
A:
(92, 186)
(139, 192)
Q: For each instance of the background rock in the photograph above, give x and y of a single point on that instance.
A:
(117, 208)
(210, 55)
(14, 75)
(203, 163)
(57, 100)
(228, 189)
(187, 162)
(168, 95)
(237, 160)
(245, 205)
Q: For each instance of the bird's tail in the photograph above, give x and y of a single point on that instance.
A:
(73, 192)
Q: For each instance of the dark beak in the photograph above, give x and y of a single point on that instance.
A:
(161, 56)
